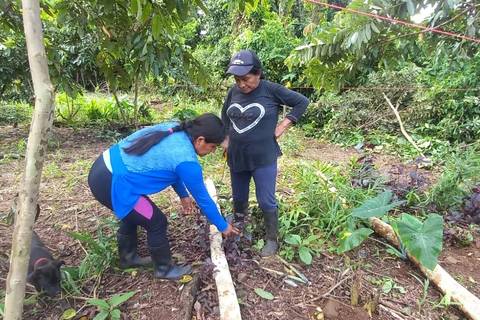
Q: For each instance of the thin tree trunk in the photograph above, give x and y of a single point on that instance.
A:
(36, 150)
(122, 112)
(135, 104)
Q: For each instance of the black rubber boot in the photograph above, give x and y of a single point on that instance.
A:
(127, 249)
(164, 266)
(240, 211)
(271, 227)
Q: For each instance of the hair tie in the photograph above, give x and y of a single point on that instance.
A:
(170, 130)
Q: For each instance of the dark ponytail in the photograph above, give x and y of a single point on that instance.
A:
(207, 125)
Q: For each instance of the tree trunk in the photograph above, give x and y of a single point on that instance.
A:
(36, 150)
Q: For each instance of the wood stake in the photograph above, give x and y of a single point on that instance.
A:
(227, 297)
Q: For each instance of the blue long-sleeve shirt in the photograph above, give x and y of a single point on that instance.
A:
(172, 162)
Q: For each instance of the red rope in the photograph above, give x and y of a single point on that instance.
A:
(393, 20)
(394, 88)
(408, 88)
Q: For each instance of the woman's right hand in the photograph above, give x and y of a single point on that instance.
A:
(231, 230)
(225, 145)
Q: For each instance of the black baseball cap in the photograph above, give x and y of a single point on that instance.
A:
(243, 62)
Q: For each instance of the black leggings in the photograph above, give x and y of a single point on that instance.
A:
(150, 217)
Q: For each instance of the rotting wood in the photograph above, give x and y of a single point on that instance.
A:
(187, 297)
(227, 297)
(468, 303)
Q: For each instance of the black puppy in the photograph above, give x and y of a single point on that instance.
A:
(43, 270)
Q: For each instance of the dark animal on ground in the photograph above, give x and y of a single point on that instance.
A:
(43, 269)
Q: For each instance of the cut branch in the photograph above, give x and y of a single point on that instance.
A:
(468, 303)
(227, 297)
(397, 114)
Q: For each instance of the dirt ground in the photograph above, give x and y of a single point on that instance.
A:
(67, 205)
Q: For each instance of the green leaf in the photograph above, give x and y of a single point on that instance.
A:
(134, 5)
(410, 7)
(99, 303)
(115, 314)
(102, 315)
(387, 286)
(264, 294)
(27, 302)
(146, 12)
(121, 298)
(423, 243)
(377, 206)
(349, 240)
(305, 255)
(68, 314)
(293, 239)
(156, 26)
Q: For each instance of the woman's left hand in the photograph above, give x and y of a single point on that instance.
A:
(281, 127)
(187, 205)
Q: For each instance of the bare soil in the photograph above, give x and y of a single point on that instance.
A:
(67, 205)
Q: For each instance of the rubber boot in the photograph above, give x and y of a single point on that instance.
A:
(240, 211)
(164, 266)
(271, 227)
(127, 249)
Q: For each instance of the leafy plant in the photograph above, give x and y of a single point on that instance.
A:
(109, 309)
(14, 114)
(425, 284)
(183, 115)
(422, 240)
(101, 253)
(306, 247)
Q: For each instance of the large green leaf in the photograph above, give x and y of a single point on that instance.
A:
(102, 315)
(120, 298)
(377, 206)
(423, 241)
(305, 255)
(350, 240)
(99, 303)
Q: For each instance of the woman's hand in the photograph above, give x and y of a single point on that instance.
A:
(225, 146)
(187, 205)
(231, 230)
(281, 127)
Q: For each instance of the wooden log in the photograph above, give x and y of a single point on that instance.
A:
(468, 303)
(227, 297)
(188, 296)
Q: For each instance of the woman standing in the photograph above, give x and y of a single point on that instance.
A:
(147, 162)
(250, 114)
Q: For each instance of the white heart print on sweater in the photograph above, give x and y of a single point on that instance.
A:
(245, 118)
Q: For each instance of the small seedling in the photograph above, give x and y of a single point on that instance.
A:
(109, 308)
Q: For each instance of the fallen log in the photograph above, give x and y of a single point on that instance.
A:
(227, 297)
(187, 297)
(468, 303)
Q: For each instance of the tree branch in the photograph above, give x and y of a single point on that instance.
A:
(397, 114)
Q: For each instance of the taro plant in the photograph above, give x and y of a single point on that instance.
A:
(109, 309)
(423, 240)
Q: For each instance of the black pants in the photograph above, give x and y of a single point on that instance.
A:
(145, 214)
